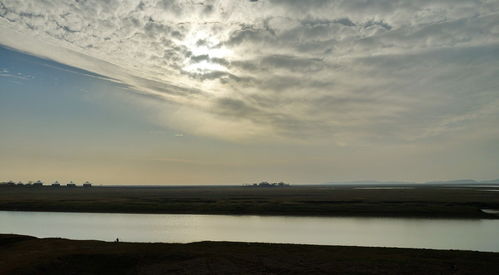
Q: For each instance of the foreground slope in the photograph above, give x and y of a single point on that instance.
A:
(29, 255)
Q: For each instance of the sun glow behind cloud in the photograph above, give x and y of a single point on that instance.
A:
(204, 67)
(308, 89)
(204, 48)
(345, 71)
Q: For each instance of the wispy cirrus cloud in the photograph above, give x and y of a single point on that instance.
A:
(21, 76)
(346, 71)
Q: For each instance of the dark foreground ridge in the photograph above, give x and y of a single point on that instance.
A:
(29, 255)
(407, 201)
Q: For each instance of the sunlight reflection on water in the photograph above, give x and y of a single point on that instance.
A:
(359, 231)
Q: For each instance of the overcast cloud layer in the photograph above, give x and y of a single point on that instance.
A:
(347, 71)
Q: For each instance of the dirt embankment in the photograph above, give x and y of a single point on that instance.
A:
(28, 255)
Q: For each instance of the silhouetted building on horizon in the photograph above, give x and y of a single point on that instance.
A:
(267, 184)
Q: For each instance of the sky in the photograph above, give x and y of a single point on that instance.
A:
(235, 92)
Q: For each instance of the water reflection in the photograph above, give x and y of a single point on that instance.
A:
(392, 232)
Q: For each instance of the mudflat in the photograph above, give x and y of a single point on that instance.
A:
(412, 201)
(29, 255)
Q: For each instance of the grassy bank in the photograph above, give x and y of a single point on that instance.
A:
(28, 255)
(426, 201)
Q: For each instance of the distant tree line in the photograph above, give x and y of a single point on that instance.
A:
(40, 184)
(268, 184)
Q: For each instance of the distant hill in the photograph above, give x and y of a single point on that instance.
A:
(464, 181)
(369, 182)
(375, 182)
(461, 181)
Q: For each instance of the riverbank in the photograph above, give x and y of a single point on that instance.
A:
(411, 201)
(29, 255)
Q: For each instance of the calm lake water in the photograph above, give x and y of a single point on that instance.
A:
(389, 232)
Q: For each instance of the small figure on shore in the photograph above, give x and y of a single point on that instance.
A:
(117, 240)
